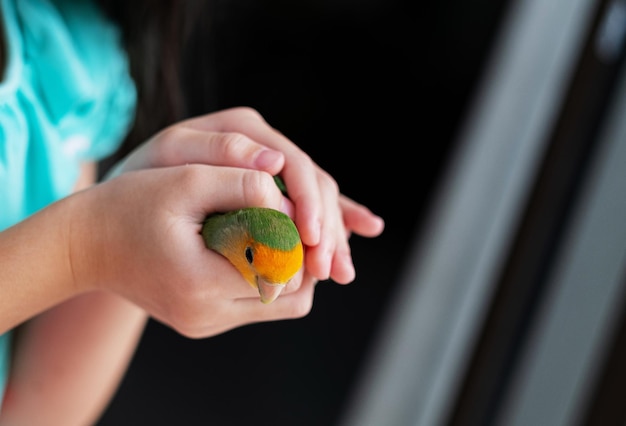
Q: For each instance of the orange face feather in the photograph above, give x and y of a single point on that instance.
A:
(273, 265)
(263, 244)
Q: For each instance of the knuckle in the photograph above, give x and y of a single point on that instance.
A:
(301, 306)
(233, 145)
(165, 146)
(303, 160)
(258, 188)
(293, 286)
(247, 112)
(191, 175)
(328, 181)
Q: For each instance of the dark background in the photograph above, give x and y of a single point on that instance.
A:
(374, 91)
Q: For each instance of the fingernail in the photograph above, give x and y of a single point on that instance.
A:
(381, 223)
(267, 158)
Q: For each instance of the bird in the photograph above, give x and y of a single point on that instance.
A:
(262, 243)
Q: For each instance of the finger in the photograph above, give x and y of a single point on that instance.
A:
(181, 145)
(288, 305)
(359, 219)
(342, 269)
(249, 310)
(233, 286)
(236, 119)
(299, 173)
(330, 258)
(210, 189)
(304, 192)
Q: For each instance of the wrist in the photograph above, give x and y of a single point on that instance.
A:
(83, 240)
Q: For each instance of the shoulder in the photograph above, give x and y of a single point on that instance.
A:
(75, 68)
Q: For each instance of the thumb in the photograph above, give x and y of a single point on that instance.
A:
(220, 189)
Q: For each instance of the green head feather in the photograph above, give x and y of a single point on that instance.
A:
(281, 185)
(267, 226)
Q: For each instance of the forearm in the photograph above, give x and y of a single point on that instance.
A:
(35, 267)
(70, 357)
(69, 361)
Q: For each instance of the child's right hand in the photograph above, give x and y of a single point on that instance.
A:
(240, 137)
(138, 235)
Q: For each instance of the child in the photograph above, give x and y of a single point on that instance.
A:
(83, 264)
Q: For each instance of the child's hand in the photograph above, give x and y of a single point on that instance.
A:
(138, 235)
(240, 137)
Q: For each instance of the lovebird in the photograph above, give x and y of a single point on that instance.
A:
(262, 243)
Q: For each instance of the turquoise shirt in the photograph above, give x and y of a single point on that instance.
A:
(66, 96)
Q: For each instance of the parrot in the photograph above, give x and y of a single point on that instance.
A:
(263, 244)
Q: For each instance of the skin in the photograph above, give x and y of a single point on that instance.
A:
(119, 251)
(61, 377)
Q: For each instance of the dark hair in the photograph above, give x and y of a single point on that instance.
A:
(156, 35)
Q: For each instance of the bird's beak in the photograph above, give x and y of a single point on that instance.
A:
(269, 291)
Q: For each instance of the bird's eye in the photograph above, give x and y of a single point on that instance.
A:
(249, 255)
